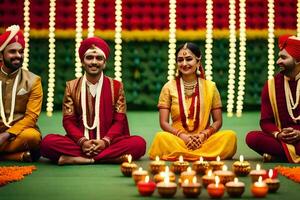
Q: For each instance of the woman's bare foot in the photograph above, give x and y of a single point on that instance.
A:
(69, 160)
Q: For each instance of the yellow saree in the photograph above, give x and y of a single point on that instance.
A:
(169, 147)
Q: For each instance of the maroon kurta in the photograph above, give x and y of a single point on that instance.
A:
(113, 123)
(266, 143)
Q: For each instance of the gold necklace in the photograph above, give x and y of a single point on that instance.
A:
(189, 87)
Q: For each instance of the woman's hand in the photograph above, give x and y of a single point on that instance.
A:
(185, 137)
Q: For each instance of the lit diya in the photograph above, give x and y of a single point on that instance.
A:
(146, 187)
(273, 183)
(161, 176)
(255, 174)
(241, 167)
(166, 189)
(189, 174)
(128, 167)
(216, 164)
(224, 175)
(179, 166)
(235, 188)
(217, 189)
(191, 189)
(208, 178)
(200, 166)
(139, 175)
(157, 165)
(259, 188)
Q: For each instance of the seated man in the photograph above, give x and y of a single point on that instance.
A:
(94, 116)
(21, 97)
(280, 110)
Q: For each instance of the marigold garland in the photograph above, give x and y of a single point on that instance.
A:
(14, 173)
(292, 173)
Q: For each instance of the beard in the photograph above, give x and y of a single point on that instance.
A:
(9, 63)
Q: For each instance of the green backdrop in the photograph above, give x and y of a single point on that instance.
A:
(144, 68)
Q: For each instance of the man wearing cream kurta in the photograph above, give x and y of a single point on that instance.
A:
(20, 101)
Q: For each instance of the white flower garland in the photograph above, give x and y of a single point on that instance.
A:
(172, 39)
(51, 60)
(242, 60)
(13, 102)
(291, 105)
(209, 40)
(271, 39)
(118, 40)
(26, 33)
(96, 123)
(78, 38)
(91, 18)
(232, 59)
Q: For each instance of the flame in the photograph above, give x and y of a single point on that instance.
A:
(241, 158)
(258, 167)
(224, 168)
(189, 169)
(129, 158)
(218, 159)
(147, 179)
(217, 180)
(167, 179)
(260, 179)
(209, 173)
(236, 180)
(167, 169)
(270, 173)
(157, 158)
(195, 179)
(201, 159)
(140, 169)
(180, 159)
(186, 181)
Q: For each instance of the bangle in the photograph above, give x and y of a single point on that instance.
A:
(106, 141)
(81, 141)
(276, 134)
(178, 132)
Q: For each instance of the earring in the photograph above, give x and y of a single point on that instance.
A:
(198, 71)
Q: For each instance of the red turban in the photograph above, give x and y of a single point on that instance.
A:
(11, 35)
(93, 41)
(291, 44)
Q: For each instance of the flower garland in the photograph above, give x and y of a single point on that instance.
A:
(292, 173)
(26, 33)
(78, 38)
(242, 59)
(172, 39)
(96, 123)
(157, 35)
(118, 40)
(10, 174)
(194, 109)
(13, 102)
(51, 60)
(91, 18)
(209, 40)
(271, 39)
(232, 59)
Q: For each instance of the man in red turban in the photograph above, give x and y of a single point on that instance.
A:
(280, 108)
(94, 116)
(21, 97)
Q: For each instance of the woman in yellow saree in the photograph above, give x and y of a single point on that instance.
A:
(194, 105)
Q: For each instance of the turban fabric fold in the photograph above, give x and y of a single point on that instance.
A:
(11, 35)
(93, 41)
(291, 44)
